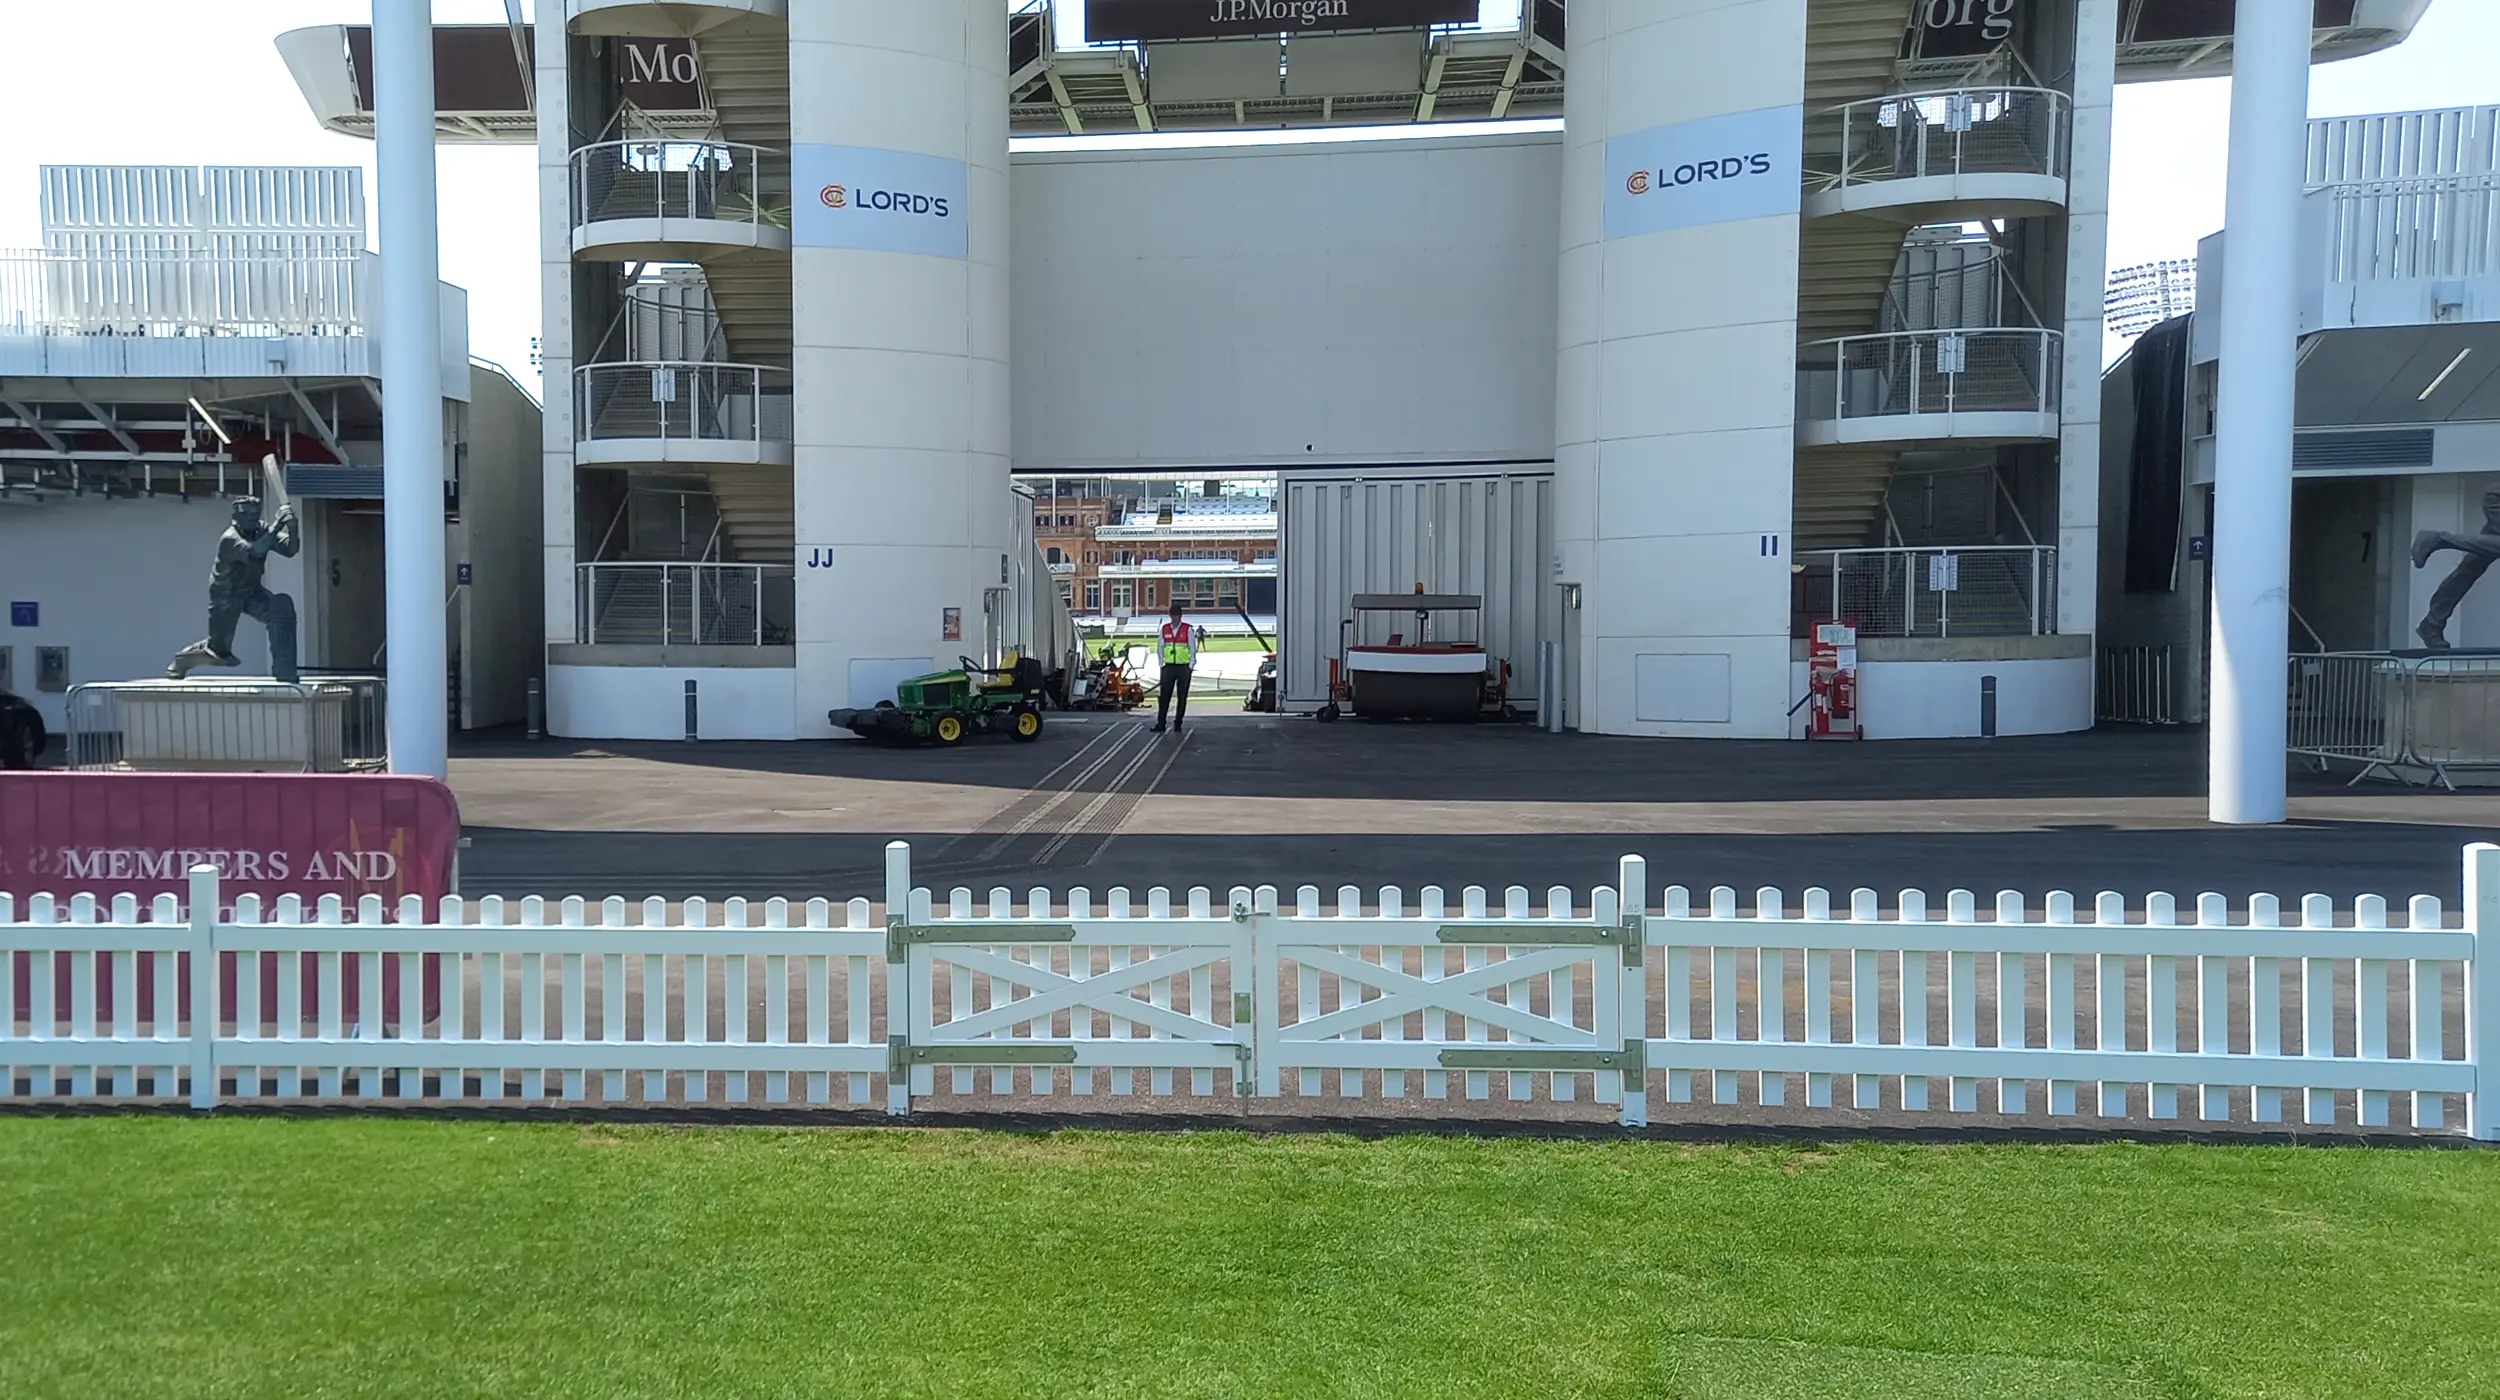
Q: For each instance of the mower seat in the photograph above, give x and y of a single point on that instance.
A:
(1023, 675)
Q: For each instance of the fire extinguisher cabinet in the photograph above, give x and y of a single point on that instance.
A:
(1832, 675)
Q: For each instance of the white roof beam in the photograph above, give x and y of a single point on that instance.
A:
(1133, 81)
(1510, 83)
(1067, 105)
(1432, 80)
(321, 427)
(129, 443)
(26, 419)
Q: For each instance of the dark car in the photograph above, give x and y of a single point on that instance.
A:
(21, 733)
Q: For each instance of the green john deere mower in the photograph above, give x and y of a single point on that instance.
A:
(945, 706)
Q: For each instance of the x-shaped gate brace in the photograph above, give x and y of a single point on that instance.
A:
(1551, 946)
(971, 947)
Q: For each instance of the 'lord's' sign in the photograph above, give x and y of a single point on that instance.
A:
(1112, 20)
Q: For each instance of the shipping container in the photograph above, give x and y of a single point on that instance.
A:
(1037, 622)
(1488, 533)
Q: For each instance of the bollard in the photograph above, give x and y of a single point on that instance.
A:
(538, 710)
(690, 713)
(1549, 697)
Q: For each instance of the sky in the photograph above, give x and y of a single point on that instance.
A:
(181, 82)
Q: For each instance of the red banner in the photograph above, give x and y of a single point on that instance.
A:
(268, 834)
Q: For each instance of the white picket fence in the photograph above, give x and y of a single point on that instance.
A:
(2063, 1008)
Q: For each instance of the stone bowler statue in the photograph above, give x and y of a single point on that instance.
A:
(235, 591)
(2478, 553)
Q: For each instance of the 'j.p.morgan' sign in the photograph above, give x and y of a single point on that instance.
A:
(660, 74)
(1112, 20)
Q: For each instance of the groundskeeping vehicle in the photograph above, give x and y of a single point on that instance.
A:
(22, 736)
(944, 707)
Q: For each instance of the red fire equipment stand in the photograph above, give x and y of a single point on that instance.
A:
(1832, 672)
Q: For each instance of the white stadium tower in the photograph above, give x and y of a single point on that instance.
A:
(1794, 315)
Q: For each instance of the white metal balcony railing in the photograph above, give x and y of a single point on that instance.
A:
(2403, 230)
(1981, 591)
(1971, 131)
(1211, 526)
(664, 604)
(724, 181)
(1906, 373)
(178, 293)
(681, 401)
(2430, 144)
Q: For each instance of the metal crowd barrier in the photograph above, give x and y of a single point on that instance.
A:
(2417, 719)
(325, 724)
(2135, 686)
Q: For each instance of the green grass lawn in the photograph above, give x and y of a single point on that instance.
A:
(147, 1256)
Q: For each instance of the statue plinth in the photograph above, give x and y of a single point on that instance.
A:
(228, 724)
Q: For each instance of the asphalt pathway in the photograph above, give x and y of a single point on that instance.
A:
(1245, 800)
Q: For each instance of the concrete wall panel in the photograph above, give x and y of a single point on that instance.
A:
(1338, 302)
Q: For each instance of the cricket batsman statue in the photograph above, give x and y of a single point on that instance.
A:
(235, 591)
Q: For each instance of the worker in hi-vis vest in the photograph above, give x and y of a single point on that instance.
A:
(1179, 653)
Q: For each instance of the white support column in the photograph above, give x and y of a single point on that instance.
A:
(1676, 389)
(2078, 529)
(555, 261)
(412, 385)
(900, 490)
(2253, 427)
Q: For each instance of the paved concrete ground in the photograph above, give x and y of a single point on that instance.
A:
(1100, 801)
(1239, 799)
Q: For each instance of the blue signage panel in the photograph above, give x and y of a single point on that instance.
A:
(1744, 165)
(879, 201)
(25, 614)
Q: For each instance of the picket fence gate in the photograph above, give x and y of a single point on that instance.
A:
(1600, 1001)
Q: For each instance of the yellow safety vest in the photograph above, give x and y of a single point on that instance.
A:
(1179, 646)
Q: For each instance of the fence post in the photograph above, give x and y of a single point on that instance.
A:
(1245, 949)
(1909, 593)
(1944, 600)
(897, 978)
(1267, 997)
(204, 896)
(1632, 905)
(2482, 988)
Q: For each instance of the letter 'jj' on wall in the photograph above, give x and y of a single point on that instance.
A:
(1744, 165)
(878, 201)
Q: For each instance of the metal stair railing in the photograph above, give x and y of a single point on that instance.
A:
(682, 400)
(1960, 131)
(1941, 592)
(1994, 370)
(727, 181)
(659, 603)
